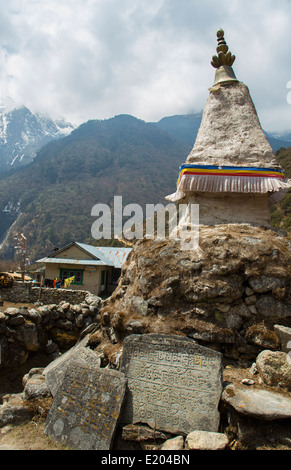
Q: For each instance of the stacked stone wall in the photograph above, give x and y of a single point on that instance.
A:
(25, 292)
(48, 329)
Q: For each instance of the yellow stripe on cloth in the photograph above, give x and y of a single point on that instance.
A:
(229, 171)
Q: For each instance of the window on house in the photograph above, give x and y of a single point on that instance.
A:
(66, 273)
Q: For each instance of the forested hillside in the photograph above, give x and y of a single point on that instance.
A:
(281, 212)
(52, 197)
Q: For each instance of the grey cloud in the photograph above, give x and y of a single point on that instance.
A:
(87, 59)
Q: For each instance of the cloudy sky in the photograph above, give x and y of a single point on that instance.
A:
(94, 59)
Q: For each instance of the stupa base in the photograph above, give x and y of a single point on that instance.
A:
(235, 208)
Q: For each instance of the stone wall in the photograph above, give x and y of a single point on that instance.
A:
(25, 292)
(48, 329)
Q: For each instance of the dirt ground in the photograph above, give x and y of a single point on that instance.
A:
(27, 436)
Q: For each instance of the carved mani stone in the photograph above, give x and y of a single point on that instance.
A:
(173, 384)
(86, 407)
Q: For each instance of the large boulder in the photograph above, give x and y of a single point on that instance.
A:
(220, 294)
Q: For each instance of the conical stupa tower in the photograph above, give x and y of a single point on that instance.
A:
(231, 171)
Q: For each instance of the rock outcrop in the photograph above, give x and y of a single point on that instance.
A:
(228, 295)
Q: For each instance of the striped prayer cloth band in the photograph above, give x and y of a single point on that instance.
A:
(214, 170)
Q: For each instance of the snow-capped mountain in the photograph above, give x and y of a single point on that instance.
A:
(285, 136)
(23, 133)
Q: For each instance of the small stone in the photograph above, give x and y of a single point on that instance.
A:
(93, 300)
(247, 382)
(65, 306)
(177, 443)
(249, 291)
(135, 326)
(252, 309)
(65, 325)
(12, 311)
(33, 315)
(224, 308)
(264, 283)
(93, 309)
(76, 308)
(253, 369)
(85, 311)
(251, 300)
(36, 387)
(262, 336)
(205, 440)
(16, 320)
(79, 320)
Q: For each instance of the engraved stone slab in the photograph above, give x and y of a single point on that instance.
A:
(86, 408)
(54, 372)
(173, 384)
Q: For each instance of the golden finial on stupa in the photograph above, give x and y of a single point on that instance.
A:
(223, 61)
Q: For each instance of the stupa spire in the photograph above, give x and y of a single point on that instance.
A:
(223, 61)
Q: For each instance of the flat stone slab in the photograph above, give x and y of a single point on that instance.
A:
(260, 404)
(55, 371)
(86, 408)
(173, 384)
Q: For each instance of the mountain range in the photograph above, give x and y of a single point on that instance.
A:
(50, 199)
(23, 133)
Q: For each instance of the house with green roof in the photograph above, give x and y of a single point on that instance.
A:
(95, 269)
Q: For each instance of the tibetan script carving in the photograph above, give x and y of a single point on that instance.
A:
(173, 384)
(86, 407)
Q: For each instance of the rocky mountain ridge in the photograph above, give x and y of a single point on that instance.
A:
(51, 198)
(23, 133)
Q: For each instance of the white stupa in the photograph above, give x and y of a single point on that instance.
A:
(231, 172)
